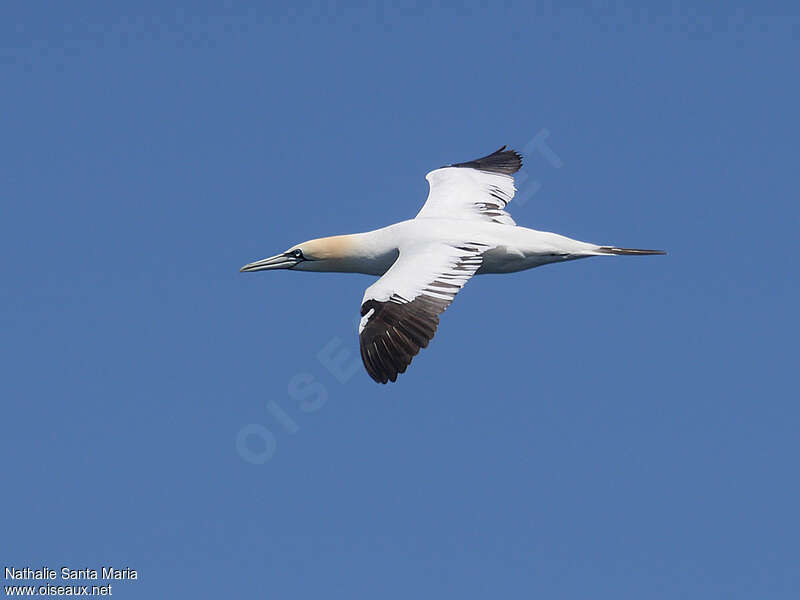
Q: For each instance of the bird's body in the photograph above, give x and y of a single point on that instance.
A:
(510, 248)
(461, 231)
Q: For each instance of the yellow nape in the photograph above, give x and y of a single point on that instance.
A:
(337, 246)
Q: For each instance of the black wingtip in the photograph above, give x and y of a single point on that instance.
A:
(506, 162)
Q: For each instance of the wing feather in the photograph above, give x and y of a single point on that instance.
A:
(400, 312)
(478, 189)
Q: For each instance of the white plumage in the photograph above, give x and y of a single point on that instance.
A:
(463, 193)
(461, 231)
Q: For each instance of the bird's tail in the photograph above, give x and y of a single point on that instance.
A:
(627, 251)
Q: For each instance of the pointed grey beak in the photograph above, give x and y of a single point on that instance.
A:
(281, 261)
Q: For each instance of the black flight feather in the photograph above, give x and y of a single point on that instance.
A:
(506, 162)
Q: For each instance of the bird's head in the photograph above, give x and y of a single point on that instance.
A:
(314, 255)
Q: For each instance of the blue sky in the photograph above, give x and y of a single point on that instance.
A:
(609, 428)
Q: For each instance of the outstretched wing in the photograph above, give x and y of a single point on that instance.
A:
(400, 311)
(478, 189)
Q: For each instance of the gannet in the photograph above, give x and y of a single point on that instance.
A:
(462, 230)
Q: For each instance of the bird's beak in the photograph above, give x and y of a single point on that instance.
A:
(281, 261)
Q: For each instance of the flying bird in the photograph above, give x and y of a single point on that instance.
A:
(462, 230)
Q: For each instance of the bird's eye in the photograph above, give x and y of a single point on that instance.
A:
(297, 253)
